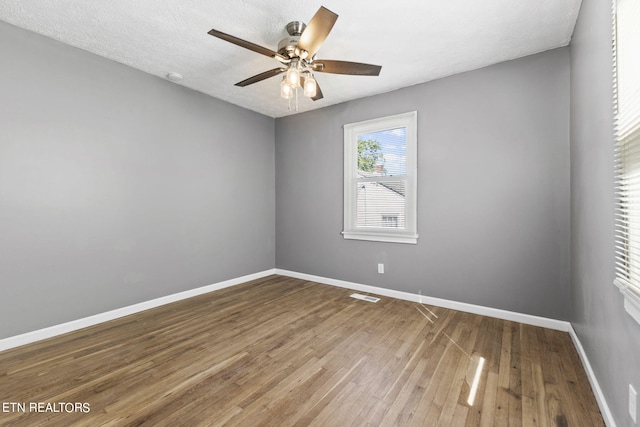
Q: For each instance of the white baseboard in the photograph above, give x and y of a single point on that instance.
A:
(595, 386)
(74, 325)
(528, 319)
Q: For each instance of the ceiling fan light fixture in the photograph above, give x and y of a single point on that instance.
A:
(310, 86)
(293, 75)
(286, 91)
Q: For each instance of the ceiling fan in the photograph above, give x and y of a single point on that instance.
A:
(297, 56)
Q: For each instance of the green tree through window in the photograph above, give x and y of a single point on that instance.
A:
(369, 154)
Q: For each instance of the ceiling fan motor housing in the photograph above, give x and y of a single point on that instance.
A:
(287, 45)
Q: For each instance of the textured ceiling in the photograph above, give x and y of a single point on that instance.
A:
(414, 40)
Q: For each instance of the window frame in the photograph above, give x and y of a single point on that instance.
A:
(409, 234)
(626, 141)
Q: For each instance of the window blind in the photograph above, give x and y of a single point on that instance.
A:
(626, 67)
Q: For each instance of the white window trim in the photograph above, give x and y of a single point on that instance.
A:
(624, 129)
(351, 132)
(631, 300)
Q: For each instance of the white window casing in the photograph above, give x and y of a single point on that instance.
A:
(626, 68)
(380, 201)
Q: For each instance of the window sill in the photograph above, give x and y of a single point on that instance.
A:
(381, 237)
(631, 300)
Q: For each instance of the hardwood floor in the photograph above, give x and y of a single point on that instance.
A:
(280, 351)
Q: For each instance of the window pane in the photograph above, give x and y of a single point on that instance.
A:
(383, 153)
(381, 204)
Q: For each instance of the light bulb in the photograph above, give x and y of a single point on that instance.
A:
(285, 90)
(310, 86)
(293, 77)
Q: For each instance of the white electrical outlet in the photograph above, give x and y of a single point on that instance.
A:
(381, 268)
(633, 404)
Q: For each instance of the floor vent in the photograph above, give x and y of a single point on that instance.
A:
(365, 297)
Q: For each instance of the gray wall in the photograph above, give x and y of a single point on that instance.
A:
(610, 337)
(493, 196)
(118, 187)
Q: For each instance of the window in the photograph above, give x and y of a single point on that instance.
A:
(390, 221)
(380, 158)
(627, 95)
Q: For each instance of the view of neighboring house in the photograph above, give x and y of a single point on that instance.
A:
(380, 203)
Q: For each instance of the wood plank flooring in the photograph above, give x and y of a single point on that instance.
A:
(285, 352)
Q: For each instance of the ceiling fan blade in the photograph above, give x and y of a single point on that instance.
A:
(345, 67)
(318, 93)
(262, 76)
(317, 31)
(248, 45)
